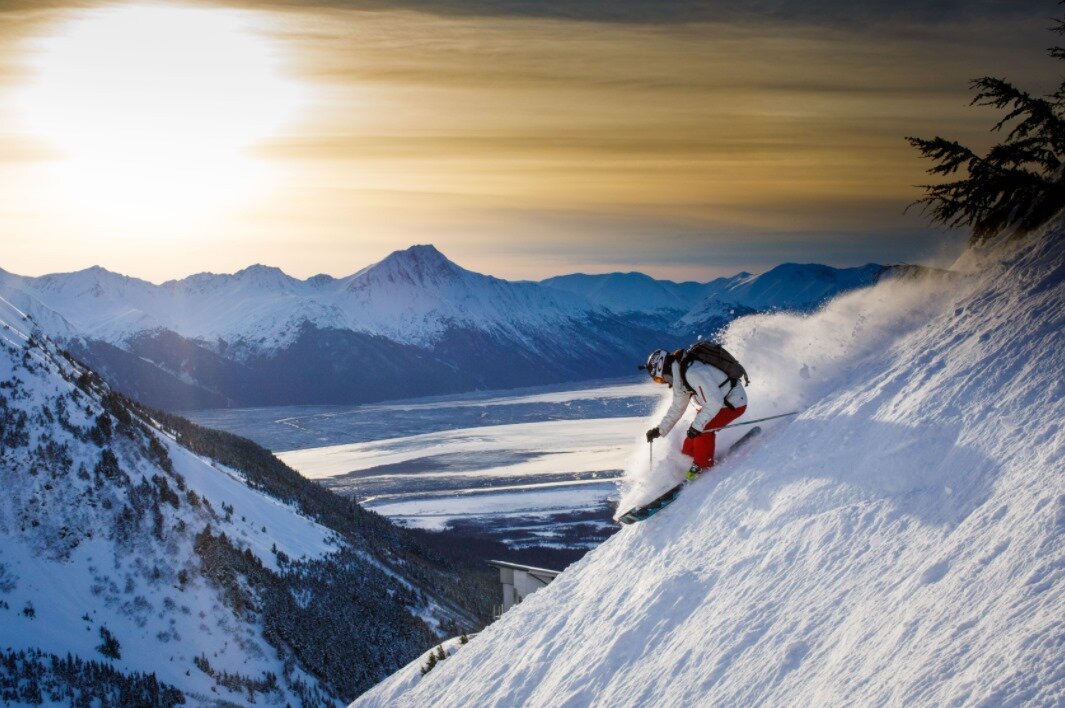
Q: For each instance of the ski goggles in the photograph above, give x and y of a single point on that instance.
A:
(656, 379)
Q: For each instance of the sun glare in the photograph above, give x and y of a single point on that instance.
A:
(152, 109)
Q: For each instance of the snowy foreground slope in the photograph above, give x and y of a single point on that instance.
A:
(901, 542)
(160, 569)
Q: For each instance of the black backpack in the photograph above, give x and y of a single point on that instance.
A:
(717, 356)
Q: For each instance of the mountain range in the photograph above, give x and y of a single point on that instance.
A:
(413, 324)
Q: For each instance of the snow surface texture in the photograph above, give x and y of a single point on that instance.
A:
(409, 675)
(901, 542)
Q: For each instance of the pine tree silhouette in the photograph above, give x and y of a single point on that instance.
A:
(1019, 183)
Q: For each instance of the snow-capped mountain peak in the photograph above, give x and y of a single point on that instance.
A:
(95, 281)
(320, 280)
(417, 266)
(254, 278)
(264, 275)
(416, 295)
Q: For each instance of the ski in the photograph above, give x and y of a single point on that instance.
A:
(646, 511)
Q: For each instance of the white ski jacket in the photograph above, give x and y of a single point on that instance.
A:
(709, 386)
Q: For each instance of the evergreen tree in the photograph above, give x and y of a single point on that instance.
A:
(109, 647)
(1019, 183)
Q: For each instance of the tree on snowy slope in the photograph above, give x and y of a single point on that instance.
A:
(1019, 184)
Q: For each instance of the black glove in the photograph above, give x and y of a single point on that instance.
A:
(694, 432)
(652, 434)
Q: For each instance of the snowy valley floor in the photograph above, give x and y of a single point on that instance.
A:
(537, 467)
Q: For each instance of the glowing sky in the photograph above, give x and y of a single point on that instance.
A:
(684, 139)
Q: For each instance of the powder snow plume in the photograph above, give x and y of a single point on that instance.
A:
(793, 359)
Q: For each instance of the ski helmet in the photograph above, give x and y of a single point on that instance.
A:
(656, 365)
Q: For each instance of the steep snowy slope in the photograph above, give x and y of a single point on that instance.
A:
(48, 319)
(119, 544)
(901, 542)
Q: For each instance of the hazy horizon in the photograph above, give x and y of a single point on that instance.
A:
(338, 276)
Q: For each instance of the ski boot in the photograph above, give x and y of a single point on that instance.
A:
(693, 473)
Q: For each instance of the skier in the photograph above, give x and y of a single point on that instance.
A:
(719, 397)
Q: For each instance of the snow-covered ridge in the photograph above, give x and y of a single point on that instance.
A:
(66, 554)
(789, 286)
(110, 525)
(900, 542)
(631, 292)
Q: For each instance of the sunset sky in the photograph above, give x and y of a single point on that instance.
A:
(686, 139)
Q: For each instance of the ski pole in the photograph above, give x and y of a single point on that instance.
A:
(651, 456)
(757, 420)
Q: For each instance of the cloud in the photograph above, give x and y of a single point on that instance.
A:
(845, 13)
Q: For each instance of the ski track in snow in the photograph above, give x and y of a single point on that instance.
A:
(902, 542)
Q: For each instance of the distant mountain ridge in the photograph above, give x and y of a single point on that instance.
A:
(414, 323)
(789, 286)
(630, 292)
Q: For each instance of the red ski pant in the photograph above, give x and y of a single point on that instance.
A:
(702, 447)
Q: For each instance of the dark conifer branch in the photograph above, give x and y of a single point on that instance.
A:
(1019, 183)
